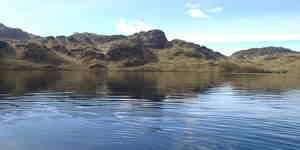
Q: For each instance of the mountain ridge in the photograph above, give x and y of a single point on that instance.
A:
(8, 33)
(90, 50)
(264, 51)
(143, 51)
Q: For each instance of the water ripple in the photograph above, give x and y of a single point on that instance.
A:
(157, 111)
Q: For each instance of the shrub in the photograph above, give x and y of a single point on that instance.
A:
(231, 67)
(228, 67)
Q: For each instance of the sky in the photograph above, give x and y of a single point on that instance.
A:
(223, 25)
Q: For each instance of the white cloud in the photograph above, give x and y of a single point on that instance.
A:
(133, 27)
(195, 9)
(197, 13)
(216, 10)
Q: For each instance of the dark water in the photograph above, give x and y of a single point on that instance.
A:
(148, 111)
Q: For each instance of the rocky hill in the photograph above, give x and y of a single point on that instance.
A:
(267, 59)
(88, 50)
(6, 50)
(143, 51)
(14, 33)
(266, 51)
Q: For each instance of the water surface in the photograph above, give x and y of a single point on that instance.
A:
(151, 111)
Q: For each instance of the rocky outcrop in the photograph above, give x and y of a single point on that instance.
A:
(92, 54)
(193, 50)
(131, 52)
(14, 33)
(81, 39)
(33, 52)
(99, 51)
(152, 39)
(36, 53)
(94, 38)
(266, 51)
(6, 50)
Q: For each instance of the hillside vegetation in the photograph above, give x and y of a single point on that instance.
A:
(144, 51)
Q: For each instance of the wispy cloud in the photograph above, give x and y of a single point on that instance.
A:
(133, 27)
(197, 13)
(196, 10)
(216, 10)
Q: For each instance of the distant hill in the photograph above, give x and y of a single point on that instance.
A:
(266, 51)
(267, 59)
(7, 33)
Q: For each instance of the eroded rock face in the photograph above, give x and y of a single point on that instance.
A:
(6, 49)
(193, 50)
(151, 39)
(14, 33)
(61, 49)
(88, 48)
(266, 51)
(94, 38)
(128, 50)
(33, 52)
(92, 54)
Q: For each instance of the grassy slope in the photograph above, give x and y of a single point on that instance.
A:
(278, 63)
(168, 61)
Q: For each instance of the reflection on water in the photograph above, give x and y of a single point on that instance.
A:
(154, 86)
(127, 110)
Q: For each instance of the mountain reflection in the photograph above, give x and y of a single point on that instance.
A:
(264, 82)
(113, 108)
(137, 85)
(157, 86)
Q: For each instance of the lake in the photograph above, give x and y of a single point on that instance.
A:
(94, 110)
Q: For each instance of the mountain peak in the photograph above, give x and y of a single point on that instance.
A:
(152, 39)
(156, 32)
(14, 33)
(2, 26)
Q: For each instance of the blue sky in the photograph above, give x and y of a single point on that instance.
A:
(224, 25)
